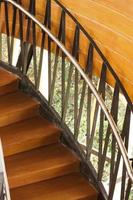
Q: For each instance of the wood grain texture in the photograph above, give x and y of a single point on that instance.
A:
(111, 31)
(8, 82)
(15, 107)
(28, 134)
(40, 164)
(70, 187)
(109, 23)
(96, 11)
(124, 7)
(33, 153)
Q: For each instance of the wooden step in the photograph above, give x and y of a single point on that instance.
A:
(15, 107)
(40, 164)
(70, 187)
(8, 82)
(28, 134)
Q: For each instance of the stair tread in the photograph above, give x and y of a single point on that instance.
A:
(40, 164)
(14, 102)
(28, 134)
(6, 77)
(72, 187)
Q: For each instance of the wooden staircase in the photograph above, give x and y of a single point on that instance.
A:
(38, 166)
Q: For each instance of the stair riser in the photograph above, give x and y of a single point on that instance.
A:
(18, 116)
(70, 187)
(94, 197)
(42, 175)
(31, 144)
(13, 87)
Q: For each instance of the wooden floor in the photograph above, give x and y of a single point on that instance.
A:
(38, 166)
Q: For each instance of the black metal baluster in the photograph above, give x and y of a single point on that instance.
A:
(114, 176)
(74, 53)
(101, 86)
(89, 69)
(80, 111)
(67, 93)
(56, 58)
(128, 190)
(43, 43)
(8, 32)
(34, 45)
(107, 137)
(13, 31)
(117, 164)
(76, 83)
(26, 52)
(63, 61)
(49, 49)
(102, 118)
(20, 61)
(26, 44)
(126, 141)
(123, 183)
(115, 117)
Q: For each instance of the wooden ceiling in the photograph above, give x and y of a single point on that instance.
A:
(109, 22)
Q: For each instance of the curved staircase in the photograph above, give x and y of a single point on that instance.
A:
(38, 166)
(65, 120)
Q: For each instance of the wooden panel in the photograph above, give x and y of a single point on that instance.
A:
(101, 14)
(111, 30)
(109, 38)
(125, 7)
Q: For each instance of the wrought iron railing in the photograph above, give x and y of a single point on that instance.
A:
(85, 103)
